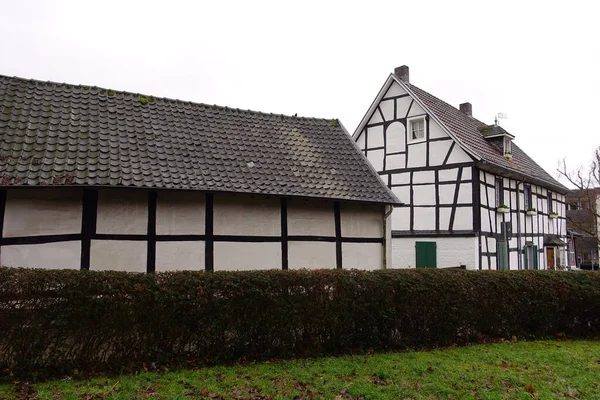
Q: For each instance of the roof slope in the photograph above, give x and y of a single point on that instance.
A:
(466, 130)
(60, 134)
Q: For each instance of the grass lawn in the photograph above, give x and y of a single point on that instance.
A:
(523, 370)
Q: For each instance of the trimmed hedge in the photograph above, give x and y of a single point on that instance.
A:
(55, 322)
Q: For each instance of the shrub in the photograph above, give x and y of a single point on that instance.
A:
(55, 322)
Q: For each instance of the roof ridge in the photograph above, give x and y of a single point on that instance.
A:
(193, 103)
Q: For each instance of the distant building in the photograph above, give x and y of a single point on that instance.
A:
(472, 197)
(583, 225)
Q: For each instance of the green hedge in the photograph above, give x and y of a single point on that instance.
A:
(53, 322)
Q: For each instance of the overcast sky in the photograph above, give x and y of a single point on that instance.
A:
(538, 62)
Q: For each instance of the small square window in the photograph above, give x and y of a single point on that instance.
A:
(416, 129)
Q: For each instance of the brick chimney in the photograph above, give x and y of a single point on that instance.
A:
(402, 73)
(466, 108)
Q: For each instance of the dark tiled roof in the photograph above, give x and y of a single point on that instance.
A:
(60, 134)
(467, 131)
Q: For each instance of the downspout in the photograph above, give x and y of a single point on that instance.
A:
(386, 215)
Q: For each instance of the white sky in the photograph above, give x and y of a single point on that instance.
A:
(537, 61)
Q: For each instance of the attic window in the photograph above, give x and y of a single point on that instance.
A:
(507, 146)
(416, 129)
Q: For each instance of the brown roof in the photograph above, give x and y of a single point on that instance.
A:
(61, 134)
(466, 129)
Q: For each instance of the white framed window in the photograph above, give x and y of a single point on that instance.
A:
(416, 129)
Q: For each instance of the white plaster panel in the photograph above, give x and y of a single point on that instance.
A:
(450, 252)
(311, 255)
(395, 162)
(234, 256)
(401, 178)
(415, 110)
(118, 255)
(180, 213)
(416, 155)
(448, 174)
(244, 215)
(310, 218)
(424, 219)
(463, 219)
(438, 151)
(466, 174)
(394, 90)
(435, 131)
(387, 108)
(458, 156)
(402, 106)
(401, 218)
(424, 177)
(173, 256)
(395, 137)
(361, 220)
(485, 221)
(375, 136)
(360, 140)
(424, 195)
(375, 118)
(59, 255)
(446, 193)
(122, 211)
(32, 212)
(366, 256)
(465, 194)
(375, 157)
(445, 218)
(403, 193)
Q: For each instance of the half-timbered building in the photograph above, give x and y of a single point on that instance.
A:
(99, 179)
(472, 197)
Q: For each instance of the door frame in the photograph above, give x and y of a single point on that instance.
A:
(546, 253)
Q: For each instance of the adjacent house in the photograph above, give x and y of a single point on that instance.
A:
(583, 227)
(473, 198)
(99, 179)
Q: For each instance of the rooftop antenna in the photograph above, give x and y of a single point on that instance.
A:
(499, 116)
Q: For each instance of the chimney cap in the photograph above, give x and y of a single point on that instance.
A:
(466, 108)
(402, 73)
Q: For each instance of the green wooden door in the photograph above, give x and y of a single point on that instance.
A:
(426, 254)
(501, 255)
(535, 257)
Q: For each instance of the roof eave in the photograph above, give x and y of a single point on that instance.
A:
(493, 167)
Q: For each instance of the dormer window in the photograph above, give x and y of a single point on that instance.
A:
(507, 147)
(416, 129)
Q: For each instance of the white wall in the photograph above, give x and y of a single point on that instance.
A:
(368, 256)
(125, 212)
(311, 218)
(361, 220)
(180, 213)
(122, 211)
(230, 256)
(172, 256)
(312, 255)
(120, 255)
(33, 212)
(451, 252)
(245, 215)
(59, 255)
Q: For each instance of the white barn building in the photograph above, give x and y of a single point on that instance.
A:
(98, 179)
(473, 198)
